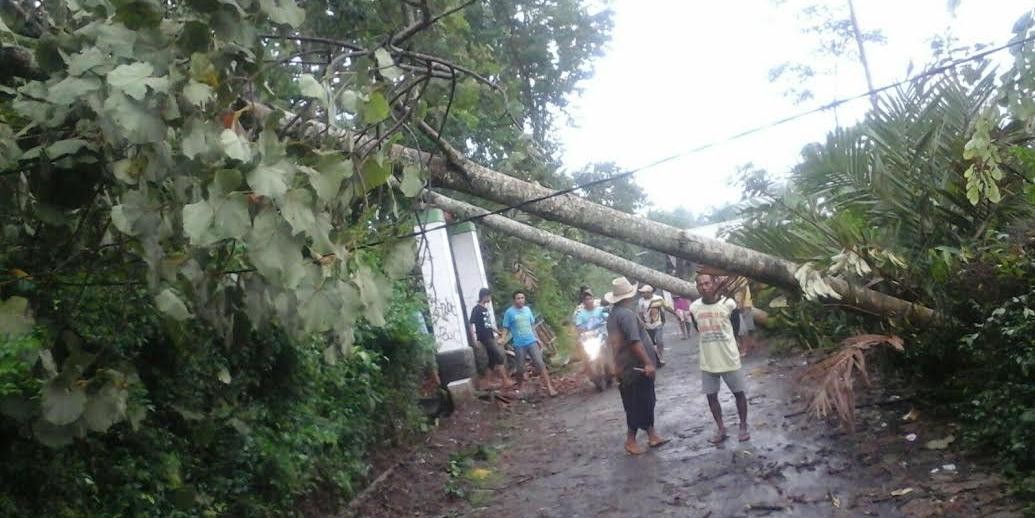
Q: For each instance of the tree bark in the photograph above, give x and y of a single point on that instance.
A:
(567, 246)
(463, 175)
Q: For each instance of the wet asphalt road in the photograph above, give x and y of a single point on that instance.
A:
(564, 457)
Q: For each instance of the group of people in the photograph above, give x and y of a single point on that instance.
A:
(634, 321)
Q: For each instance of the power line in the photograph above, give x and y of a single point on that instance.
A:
(757, 129)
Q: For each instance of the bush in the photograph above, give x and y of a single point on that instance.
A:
(243, 428)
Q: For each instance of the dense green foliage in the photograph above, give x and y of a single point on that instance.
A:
(930, 198)
(203, 310)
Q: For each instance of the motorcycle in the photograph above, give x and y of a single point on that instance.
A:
(598, 354)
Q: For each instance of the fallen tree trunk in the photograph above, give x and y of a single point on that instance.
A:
(567, 246)
(458, 173)
(463, 175)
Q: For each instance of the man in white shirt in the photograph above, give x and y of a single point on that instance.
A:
(719, 355)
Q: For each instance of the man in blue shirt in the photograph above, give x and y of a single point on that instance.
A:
(518, 319)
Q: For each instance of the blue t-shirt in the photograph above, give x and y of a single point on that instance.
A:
(590, 319)
(519, 322)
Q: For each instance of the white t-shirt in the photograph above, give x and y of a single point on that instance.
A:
(718, 344)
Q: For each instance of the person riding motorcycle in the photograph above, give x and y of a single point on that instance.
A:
(591, 321)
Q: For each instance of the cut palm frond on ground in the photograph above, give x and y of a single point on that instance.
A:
(830, 383)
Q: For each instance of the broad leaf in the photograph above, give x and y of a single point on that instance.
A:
(283, 11)
(169, 303)
(376, 109)
(15, 318)
(271, 180)
(412, 183)
(198, 94)
(235, 146)
(197, 218)
(62, 404)
(135, 78)
(297, 209)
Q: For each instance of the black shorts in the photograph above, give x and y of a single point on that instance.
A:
(492, 351)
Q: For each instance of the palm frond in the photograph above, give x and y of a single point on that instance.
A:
(830, 383)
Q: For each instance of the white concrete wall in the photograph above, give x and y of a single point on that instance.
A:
(436, 263)
(470, 268)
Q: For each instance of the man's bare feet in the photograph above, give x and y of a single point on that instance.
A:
(552, 392)
(633, 449)
(744, 435)
(720, 435)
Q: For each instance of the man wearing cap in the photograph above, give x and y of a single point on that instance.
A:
(635, 360)
(650, 308)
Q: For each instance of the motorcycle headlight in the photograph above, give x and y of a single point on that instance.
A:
(592, 347)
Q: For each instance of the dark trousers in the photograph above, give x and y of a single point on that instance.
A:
(638, 400)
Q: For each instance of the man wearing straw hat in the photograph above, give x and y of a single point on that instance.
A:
(635, 362)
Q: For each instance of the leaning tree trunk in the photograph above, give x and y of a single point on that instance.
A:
(567, 246)
(463, 175)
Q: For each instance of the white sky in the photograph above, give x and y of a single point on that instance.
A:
(681, 73)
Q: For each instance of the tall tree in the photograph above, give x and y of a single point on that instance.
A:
(839, 38)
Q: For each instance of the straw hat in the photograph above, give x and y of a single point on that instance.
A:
(621, 289)
(646, 288)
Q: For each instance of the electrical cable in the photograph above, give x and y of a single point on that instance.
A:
(757, 129)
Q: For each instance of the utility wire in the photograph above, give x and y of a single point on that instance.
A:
(715, 143)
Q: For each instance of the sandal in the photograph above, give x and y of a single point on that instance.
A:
(658, 444)
(719, 437)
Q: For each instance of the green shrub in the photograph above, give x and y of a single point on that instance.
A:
(243, 428)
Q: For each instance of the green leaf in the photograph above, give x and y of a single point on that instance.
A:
(375, 174)
(400, 260)
(169, 303)
(225, 182)
(297, 209)
(373, 292)
(111, 37)
(198, 94)
(376, 108)
(15, 317)
(53, 436)
(231, 219)
(274, 251)
(199, 139)
(197, 219)
(105, 408)
(72, 89)
(135, 78)
(139, 14)
(89, 59)
(271, 147)
(283, 11)
(310, 87)
(235, 146)
(330, 170)
(61, 404)
(125, 171)
(386, 65)
(412, 183)
(66, 147)
(271, 181)
(139, 124)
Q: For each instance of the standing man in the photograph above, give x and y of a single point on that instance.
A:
(634, 363)
(518, 319)
(719, 356)
(483, 330)
(650, 311)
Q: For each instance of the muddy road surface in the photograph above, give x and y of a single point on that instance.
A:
(563, 457)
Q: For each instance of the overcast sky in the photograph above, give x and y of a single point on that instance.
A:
(681, 73)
